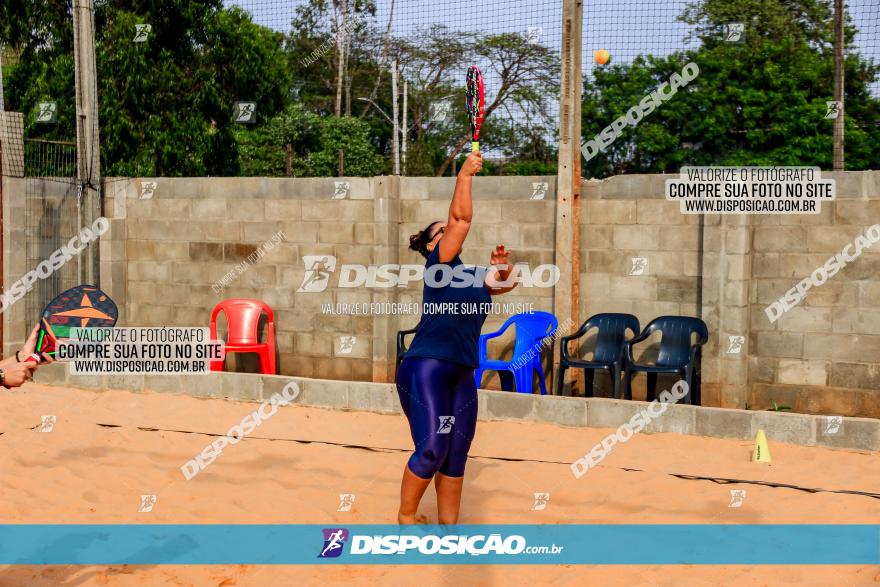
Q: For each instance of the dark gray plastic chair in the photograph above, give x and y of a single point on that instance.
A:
(608, 354)
(678, 354)
(401, 344)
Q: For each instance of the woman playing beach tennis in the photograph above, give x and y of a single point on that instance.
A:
(435, 381)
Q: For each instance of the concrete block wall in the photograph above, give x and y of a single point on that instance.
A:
(191, 235)
(166, 255)
(800, 429)
(14, 259)
(167, 252)
(821, 356)
(626, 218)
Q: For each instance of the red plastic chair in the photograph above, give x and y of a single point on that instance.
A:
(243, 320)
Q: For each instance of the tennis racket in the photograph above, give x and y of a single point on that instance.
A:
(475, 101)
(83, 306)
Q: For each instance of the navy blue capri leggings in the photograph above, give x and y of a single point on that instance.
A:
(439, 399)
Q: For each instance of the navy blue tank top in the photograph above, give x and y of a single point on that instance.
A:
(452, 317)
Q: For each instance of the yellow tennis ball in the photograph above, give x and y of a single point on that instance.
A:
(601, 56)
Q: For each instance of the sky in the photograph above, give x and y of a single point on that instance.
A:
(625, 28)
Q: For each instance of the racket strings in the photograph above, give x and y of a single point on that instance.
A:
(474, 99)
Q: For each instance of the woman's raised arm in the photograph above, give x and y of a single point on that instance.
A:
(461, 210)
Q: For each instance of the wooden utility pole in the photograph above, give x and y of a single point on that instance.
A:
(566, 295)
(403, 131)
(395, 131)
(2, 108)
(88, 152)
(340, 57)
(839, 42)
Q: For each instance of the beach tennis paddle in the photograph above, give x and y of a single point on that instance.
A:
(475, 100)
(83, 306)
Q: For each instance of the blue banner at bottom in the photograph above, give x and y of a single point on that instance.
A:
(569, 544)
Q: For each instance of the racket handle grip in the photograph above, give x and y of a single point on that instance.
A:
(475, 146)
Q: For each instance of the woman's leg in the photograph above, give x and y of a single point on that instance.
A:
(450, 478)
(448, 498)
(412, 488)
(425, 389)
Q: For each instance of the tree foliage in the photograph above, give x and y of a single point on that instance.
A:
(759, 101)
(166, 105)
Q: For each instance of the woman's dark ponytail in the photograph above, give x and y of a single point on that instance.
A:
(419, 241)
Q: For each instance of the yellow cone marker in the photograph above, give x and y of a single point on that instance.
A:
(761, 454)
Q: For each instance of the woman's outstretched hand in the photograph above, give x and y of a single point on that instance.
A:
(499, 256)
(472, 165)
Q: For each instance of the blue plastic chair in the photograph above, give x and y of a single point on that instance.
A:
(608, 354)
(531, 330)
(677, 354)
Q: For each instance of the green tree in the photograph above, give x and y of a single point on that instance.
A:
(352, 137)
(280, 147)
(759, 101)
(165, 105)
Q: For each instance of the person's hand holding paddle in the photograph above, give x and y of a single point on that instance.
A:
(17, 373)
(28, 350)
(25, 354)
(472, 165)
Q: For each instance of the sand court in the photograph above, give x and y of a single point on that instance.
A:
(107, 449)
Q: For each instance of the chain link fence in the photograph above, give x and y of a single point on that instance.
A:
(364, 87)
